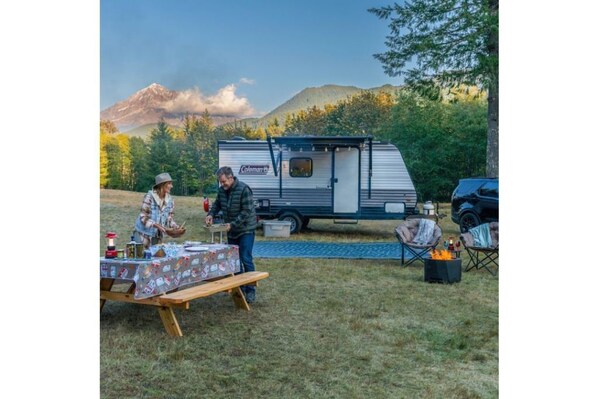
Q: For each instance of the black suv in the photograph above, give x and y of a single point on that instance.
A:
(475, 201)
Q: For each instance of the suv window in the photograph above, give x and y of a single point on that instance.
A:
(466, 187)
(490, 189)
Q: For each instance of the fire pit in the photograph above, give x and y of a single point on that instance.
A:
(442, 268)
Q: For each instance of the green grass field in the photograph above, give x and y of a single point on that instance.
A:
(321, 328)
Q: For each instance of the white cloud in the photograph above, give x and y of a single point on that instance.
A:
(224, 102)
(247, 81)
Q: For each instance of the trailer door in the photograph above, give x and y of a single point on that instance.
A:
(346, 180)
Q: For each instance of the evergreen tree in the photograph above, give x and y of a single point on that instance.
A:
(141, 179)
(453, 42)
(114, 165)
(188, 162)
(208, 154)
(200, 158)
(162, 157)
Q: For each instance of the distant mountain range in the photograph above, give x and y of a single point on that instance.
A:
(318, 97)
(139, 114)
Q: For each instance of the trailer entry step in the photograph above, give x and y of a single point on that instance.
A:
(345, 221)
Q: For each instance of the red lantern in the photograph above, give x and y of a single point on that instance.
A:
(111, 251)
(206, 204)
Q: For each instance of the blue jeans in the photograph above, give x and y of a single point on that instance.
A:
(245, 243)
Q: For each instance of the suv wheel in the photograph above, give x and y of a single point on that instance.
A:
(467, 221)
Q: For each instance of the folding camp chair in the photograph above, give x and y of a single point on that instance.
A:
(407, 234)
(481, 243)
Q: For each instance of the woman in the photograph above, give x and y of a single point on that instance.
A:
(156, 217)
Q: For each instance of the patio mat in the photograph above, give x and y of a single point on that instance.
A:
(311, 249)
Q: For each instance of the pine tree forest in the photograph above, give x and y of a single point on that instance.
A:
(440, 141)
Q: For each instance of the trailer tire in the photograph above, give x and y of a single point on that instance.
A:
(295, 220)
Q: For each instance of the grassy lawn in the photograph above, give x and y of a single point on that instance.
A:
(321, 328)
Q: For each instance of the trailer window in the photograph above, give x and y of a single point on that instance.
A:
(300, 167)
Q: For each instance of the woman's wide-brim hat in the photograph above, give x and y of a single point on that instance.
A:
(162, 178)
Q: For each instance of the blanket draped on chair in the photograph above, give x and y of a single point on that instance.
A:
(425, 232)
(481, 244)
(418, 236)
(481, 235)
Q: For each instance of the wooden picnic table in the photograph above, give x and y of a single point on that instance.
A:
(172, 282)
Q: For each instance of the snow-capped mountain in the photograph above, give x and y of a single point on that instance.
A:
(147, 106)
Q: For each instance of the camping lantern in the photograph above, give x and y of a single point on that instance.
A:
(111, 251)
(451, 245)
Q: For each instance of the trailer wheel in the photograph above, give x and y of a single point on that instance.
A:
(295, 220)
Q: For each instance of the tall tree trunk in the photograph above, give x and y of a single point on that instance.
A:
(492, 142)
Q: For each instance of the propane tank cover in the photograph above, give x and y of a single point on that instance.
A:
(428, 208)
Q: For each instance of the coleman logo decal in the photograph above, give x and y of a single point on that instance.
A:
(254, 169)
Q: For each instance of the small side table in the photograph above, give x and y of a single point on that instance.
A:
(216, 228)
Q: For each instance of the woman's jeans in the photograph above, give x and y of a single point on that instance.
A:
(245, 243)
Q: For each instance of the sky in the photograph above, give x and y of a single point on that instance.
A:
(247, 56)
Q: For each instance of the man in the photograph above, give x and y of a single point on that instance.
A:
(235, 200)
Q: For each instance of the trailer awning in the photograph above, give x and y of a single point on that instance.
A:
(321, 140)
(320, 143)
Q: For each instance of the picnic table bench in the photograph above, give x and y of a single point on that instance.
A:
(167, 302)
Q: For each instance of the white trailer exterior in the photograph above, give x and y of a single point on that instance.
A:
(303, 177)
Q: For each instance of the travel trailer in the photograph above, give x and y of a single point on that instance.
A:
(298, 178)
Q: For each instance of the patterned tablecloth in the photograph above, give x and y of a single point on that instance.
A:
(159, 275)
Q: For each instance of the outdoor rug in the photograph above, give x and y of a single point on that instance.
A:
(312, 249)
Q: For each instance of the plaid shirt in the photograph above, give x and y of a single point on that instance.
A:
(154, 210)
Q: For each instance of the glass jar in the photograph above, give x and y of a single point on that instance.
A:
(139, 250)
